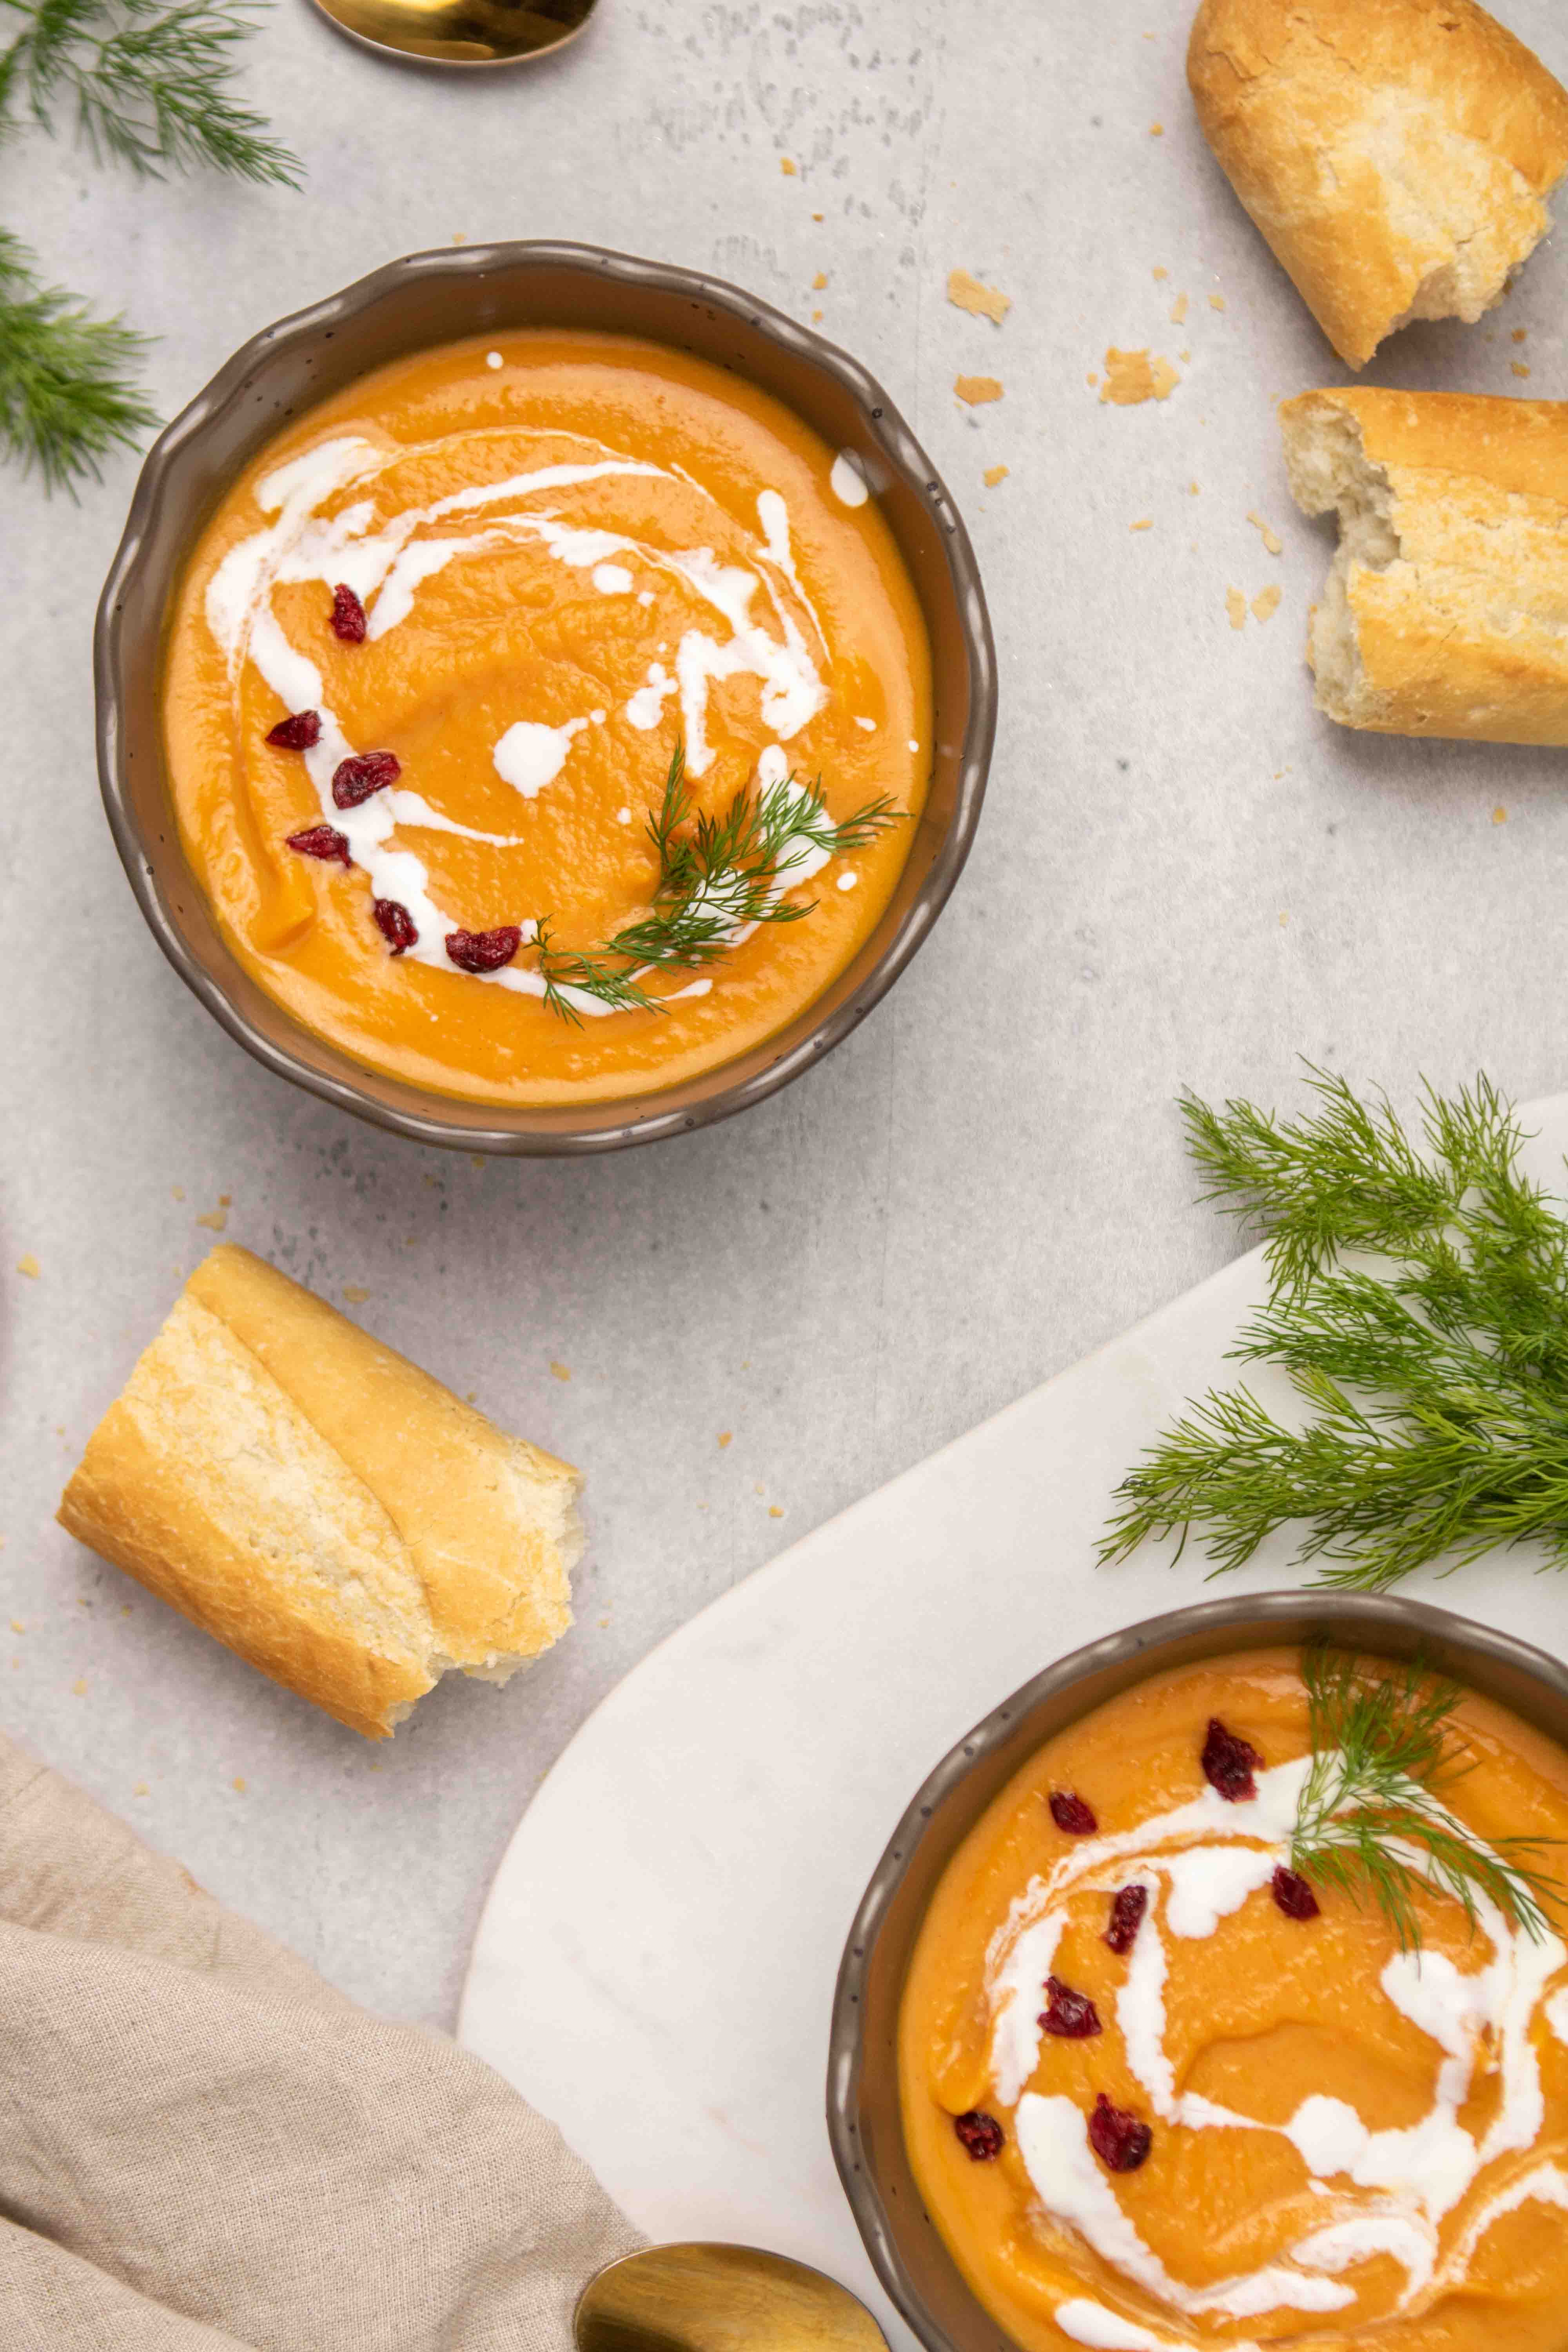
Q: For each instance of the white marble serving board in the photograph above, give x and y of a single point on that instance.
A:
(656, 1962)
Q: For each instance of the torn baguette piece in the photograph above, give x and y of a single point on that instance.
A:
(1396, 154)
(322, 1505)
(1446, 609)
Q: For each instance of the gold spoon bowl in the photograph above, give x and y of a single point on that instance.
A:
(461, 32)
(697, 2298)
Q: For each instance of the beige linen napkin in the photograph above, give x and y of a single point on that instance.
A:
(203, 2147)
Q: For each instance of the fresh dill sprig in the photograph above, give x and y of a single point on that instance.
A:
(1434, 1373)
(719, 876)
(65, 397)
(1369, 1821)
(146, 84)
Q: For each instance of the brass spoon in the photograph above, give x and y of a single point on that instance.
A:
(720, 2299)
(461, 32)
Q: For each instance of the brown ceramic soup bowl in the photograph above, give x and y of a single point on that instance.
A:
(864, 2120)
(412, 305)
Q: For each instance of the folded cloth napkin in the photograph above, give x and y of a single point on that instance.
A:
(203, 2147)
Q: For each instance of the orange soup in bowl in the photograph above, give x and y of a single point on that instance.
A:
(1162, 2089)
(546, 717)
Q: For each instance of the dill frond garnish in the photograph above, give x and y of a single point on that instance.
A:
(1433, 1368)
(145, 84)
(65, 397)
(719, 876)
(1369, 1821)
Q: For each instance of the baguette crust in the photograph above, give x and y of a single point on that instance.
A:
(1396, 154)
(322, 1505)
(1447, 609)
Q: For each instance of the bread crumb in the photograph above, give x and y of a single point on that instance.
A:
(761, 1489)
(1091, 378)
(215, 1220)
(562, 1371)
(819, 216)
(28, 1265)
(1192, 490)
(1235, 606)
(1518, 367)
(993, 475)
(1271, 539)
(1156, 131)
(1266, 604)
(819, 282)
(775, 1511)
(1520, 334)
(355, 1294)
(1500, 816)
(816, 317)
(17, 1625)
(977, 390)
(225, 1200)
(238, 1784)
(1146, 524)
(602, 1622)
(967, 293)
(787, 166)
(1184, 357)
(1159, 272)
(141, 1789)
(459, 236)
(725, 1437)
(1216, 302)
(1178, 310)
(78, 1689)
(1284, 918)
(178, 1190)
(1131, 377)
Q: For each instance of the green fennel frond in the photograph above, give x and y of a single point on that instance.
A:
(146, 85)
(719, 876)
(1419, 1307)
(66, 396)
(1370, 1821)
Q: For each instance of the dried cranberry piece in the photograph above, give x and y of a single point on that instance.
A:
(1293, 1894)
(1230, 1762)
(1072, 2016)
(354, 779)
(484, 951)
(322, 841)
(1120, 2141)
(1128, 1905)
(302, 732)
(348, 620)
(395, 923)
(1071, 1814)
(979, 2135)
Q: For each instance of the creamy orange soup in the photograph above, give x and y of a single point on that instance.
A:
(1269, 2128)
(494, 588)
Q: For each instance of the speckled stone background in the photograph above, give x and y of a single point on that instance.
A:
(1183, 875)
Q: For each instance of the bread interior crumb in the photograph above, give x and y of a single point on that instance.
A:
(1331, 473)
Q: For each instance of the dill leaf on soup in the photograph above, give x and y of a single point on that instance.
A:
(1419, 1305)
(1370, 1821)
(718, 877)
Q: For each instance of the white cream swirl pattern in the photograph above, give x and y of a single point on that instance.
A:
(386, 564)
(1383, 2193)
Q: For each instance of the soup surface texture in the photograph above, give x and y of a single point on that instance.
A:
(1322, 2139)
(529, 569)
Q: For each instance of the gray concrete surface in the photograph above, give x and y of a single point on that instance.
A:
(1184, 874)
